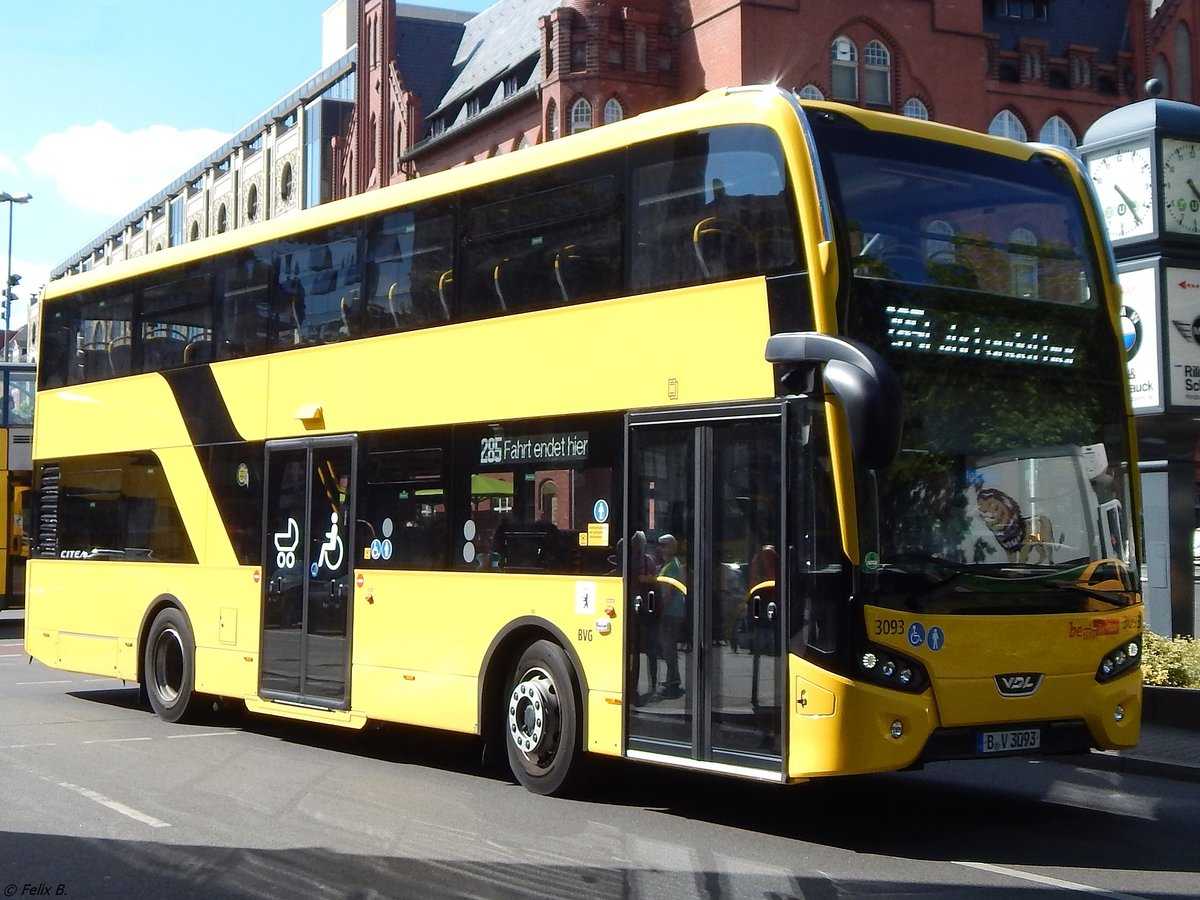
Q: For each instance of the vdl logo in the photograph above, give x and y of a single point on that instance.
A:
(1018, 684)
(1131, 330)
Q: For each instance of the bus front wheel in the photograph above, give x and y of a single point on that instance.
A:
(169, 666)
(541, 720)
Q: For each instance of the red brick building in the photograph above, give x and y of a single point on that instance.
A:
(408, 90)
(525, 71)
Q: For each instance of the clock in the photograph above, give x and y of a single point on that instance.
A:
(1180, 180)
(1124, 179)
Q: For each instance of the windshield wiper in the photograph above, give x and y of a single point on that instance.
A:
(1103, 596)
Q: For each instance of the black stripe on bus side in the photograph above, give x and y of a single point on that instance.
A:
(202, 405)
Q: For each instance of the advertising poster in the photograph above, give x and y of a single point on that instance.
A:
(1181, 288)
(1139, 326)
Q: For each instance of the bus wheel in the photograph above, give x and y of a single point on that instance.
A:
(542, 724)
(169, 666)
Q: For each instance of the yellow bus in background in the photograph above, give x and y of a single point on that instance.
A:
(16, 469)
(757, 436)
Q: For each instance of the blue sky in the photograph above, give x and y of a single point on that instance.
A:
(104, 102)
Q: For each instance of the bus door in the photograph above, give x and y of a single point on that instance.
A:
(307, 568)
(704, 662)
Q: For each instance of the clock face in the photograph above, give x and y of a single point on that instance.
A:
(1124, 183)
(1181, 186)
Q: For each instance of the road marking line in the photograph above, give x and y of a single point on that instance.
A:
(25, 746)
(1048, 881)
(116, 740)
(115, 806)
(28, 683)
(173, 737)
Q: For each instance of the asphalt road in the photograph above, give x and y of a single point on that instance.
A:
(101, 799)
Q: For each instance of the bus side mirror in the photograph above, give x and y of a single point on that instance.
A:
(864, 383)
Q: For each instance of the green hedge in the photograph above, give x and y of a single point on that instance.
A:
(1170, 662)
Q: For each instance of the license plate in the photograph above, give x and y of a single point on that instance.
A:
(1008, 741)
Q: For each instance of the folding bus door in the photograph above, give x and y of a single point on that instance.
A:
(704, 655)
(307, 566)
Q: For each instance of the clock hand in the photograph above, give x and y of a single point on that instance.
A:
(1132, 206)
(1191, 184)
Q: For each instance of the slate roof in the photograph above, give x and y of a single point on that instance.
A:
(426, 42)
(495, 42)
(1103, 24)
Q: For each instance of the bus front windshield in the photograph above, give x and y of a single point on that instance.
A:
(974, 275)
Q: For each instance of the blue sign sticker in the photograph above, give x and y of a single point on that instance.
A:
(600, 511)
(936, 638)
(916, 634)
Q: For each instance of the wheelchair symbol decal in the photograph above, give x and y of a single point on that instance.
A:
(333, 544)
(286, 543)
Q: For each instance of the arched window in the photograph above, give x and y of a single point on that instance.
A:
(551, 121)
(222, 219)
(810, 92)
(941, 248)
(915, 109)
(613, 111)
(1006, 124)
(195, 232)
(877, 74)
(1162, 71)
(286, 182)
(1183, 63)
(1057, 131)
(581, 115)
(843, 56)
(252, 203)
(1022, 249)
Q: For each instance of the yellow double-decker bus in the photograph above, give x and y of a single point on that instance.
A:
(754, 436)
(16, 468)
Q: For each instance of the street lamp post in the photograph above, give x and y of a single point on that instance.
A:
(8, 198)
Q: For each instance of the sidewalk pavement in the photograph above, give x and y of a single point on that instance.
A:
(1164, 751)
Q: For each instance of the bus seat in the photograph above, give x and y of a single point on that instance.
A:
(445, 285)
(162, 353)
(497, 273)
(723, 247)
(120, 355)
(198, 350)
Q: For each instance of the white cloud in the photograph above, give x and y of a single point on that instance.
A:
(104, 170)
(7, 165)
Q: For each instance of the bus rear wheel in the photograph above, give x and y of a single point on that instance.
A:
(169, 666)
(542, 721)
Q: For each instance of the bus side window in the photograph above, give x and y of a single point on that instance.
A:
(172, 316)
(409, 253)
(321, 274)
(248, 325)
(402, 518)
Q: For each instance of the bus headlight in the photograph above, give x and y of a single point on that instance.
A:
(1120, 659)
(881, 665)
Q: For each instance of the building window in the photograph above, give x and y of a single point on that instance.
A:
(222, 219)
(473, 107)
(254, 146)
(1030, 10)
(581, 116)
(616, 55)
(1006, 124)
(1056, 131)
(915, 109)
(287, 182)
(552, 121)
(175, 224)
(810, 92)
(195, 234)
(1022, 249)
(1183, 63)
(578, 56)
(510, 85)
(877, 74)
(639, 51)
(844, 58)
(613, 112)
(252, 203)
(940, 249)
